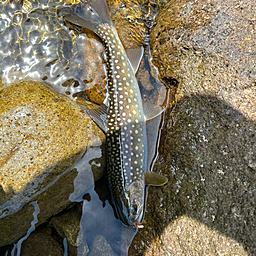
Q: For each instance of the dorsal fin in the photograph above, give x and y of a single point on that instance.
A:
(98, 113)
(135, 55)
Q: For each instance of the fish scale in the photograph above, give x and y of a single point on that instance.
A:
(123, 120)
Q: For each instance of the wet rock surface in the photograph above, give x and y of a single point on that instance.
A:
(41, 243)
(42, 135)
(67, 226)
(208, 149)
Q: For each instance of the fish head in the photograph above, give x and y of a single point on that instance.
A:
(136, 192)
(129, 203)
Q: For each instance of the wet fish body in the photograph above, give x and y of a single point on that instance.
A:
(123, 120)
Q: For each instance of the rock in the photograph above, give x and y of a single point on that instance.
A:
(101, 247)
(209, 143)
(68, 226)
(42, 135)
(213, 55)
(189, 235)
(41, 244)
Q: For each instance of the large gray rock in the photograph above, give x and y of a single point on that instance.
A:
(209, 145)
(101, 247)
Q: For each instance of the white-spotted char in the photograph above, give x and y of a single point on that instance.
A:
(125, 122)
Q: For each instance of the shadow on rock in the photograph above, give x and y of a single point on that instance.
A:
(208, 151)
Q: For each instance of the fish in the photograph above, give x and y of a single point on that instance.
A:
(122, 117)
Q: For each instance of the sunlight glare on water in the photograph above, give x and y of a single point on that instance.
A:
(35, 45)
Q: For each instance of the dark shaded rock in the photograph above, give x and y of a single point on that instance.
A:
(68, 226)
(41, 244)
(209, 143)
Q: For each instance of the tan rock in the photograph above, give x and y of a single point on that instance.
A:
(41, 136)
(41, 244)
(186, 236)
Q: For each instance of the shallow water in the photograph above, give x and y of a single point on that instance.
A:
(36, 45)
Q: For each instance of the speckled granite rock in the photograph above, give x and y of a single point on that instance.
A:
(209, 145)
(190, 237)
(41, 136)
(210, 49)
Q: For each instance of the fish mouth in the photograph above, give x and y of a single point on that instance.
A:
(125, 216)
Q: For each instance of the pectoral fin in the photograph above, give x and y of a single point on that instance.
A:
(151, 110)
(155, 179)
(98, 113)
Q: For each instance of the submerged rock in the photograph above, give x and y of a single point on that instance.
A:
(101, 247)
(209, 145)
(42, 138)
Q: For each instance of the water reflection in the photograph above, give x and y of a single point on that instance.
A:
(17, 247)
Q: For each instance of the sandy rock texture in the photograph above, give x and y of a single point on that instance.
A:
(42, 135)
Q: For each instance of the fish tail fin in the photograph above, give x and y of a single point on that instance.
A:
(91, 16)
(101, 7)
